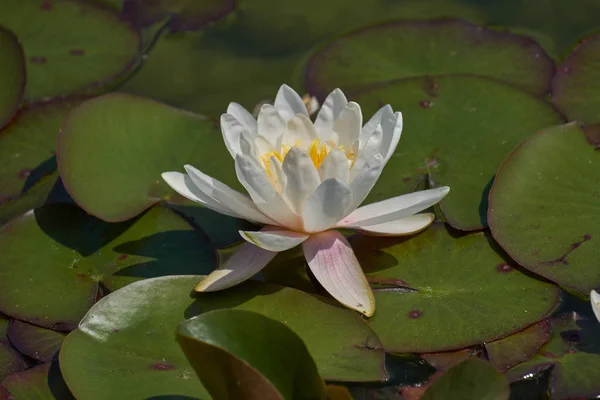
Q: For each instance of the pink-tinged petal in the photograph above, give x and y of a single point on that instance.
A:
(246, 262)
(392, 130)
(302, 177)
(335, 165)
(274, 238)
(347, 126)
(242, 115)
(184, 185)
(330, 110)
(394, 208)
(289, 103)
(270, 124)
(238, 203)
(400, 227)
(232, 129)
(326, 206)
(595, 300)
(333, 263)
(364, 181)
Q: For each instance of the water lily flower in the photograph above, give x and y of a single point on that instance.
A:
(304, 180)
(595, 300)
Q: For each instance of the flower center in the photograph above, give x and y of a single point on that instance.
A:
(317, 152)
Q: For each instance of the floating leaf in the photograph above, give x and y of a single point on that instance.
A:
(433, 281)
(394, 50)
(12, 76)
(38, 343)
(79, 251)
(544, 207)
(244, 355)
(43, 382)
(10, 359)
(576, 85)
(71, 47)
(454, 134)
(448, 359)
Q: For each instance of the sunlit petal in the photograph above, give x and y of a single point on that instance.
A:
(301, 176)
(242, 115)
(330, 110)
(289, 103)
(595, 300)
(399, 227)
(335, 165)
(326, 206)
(274, 239)
(347, 126)
(270, 124)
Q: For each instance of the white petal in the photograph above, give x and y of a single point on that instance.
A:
(242, 115)
(364, 181)
(375, 120)
(232, 129)
(595, 300)
(227, 197)
(263, 194)
(247, 145)
(184, 185)
(333, 263)
(289, 103)
(302, 177)
(346, 127)
(274, 239)
(326, 206)
(335, 165)
(403, 226)
(392, 129)
(246, 262)
(270, 124)
(368, 150)
(277, 175)
(394, 208)
(330, 110)
(299, 129)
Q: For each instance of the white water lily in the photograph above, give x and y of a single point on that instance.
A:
(595, 300)
(304, 180)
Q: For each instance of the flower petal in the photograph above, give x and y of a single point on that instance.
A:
(392, 129)
(347, 126)
(302, 177)
(364, 181)
(277, 176)
(333, 263)
(232, 129)
(394, 208)
(246, 262)
(274, 239)
(184, 185)
(326, 206)
(263, 194)
(243, 116)
(300, 130)
(330, 110)
(403, 226)
(226, 196)
(595, 300)
(270, 124)
(367, 151)
(335, 165)
(375, 120)
(289, 103)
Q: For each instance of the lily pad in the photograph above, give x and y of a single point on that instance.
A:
(43, 382)
(573, 353)
(11, 361)
(12, 76)
(519, 347)
(119, 143)
(394, 50)
(456, 135)
(38, 343)
(79, 252)
(576, 85)
(430, 282)
(71, 47)
(132, 348)
(244, 355)
(544, 207)
(473, 379)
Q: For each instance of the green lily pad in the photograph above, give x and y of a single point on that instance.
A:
(445, 360)
(394, 50)
(456, 135)
(119, 143)
(473, 379)
(518, 348)
(576, 85)
(12, 76)
(11, 361)
(573, 353)
(435, 292)
(43, 382)
(244, 355)
(38, 343)
(117, 347)
(71, 47)
(79, 252)
(544, 207)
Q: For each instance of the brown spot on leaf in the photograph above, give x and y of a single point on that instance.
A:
(414, 314)
(38, 59)
(407, 179)
(504, 268)
(46, 6)
(122, 257)
(563, 259)
(426, 103)
(24, 173)
(77, 52)
(163, 367)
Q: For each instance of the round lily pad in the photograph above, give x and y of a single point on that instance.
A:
(435, 292)
(79, 252)
(406, 49)
(456, 135)
(43, 382)
(126, 342)
(11, 361)
(576, 85)
(544, 207)
(12, 75)
(244, 355)
(38, 343)
(71, 47)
